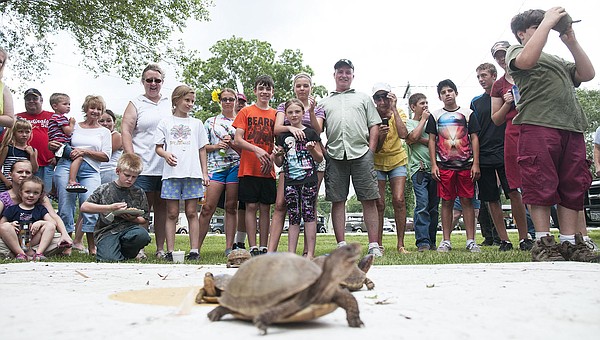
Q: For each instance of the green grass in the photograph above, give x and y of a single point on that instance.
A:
(212, 251)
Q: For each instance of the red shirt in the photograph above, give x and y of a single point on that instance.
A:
(39, 135)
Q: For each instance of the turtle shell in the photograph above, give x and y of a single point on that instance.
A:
(237, 257)
(563, 24)
(266, 280)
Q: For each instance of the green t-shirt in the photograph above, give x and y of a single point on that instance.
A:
(417, 153)
(547, 93)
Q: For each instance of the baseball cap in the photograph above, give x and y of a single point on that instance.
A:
(500, 46)
(32, 91)
(343, 62)
(381, 87)
(241, 96)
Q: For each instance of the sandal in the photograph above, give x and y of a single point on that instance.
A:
(78, 188)
(21, 257)
(402, 250)
(39, 257)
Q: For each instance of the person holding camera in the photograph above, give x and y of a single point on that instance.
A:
(390, 160)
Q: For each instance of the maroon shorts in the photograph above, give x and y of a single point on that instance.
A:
(455, 183)
(554, 168)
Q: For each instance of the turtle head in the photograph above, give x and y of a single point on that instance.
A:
(342, 260)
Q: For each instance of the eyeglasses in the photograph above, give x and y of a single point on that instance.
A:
(225, 100)
(153, 80)
(379, 97)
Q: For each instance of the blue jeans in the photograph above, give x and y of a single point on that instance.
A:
(88, 177)
(122, 245)
(45, 173)
(426, 209)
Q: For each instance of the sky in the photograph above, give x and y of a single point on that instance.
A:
(397, 42)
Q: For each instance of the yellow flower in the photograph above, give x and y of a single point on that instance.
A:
(215, 95)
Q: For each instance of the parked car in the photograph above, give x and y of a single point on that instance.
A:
(388, 226)
(356, 227)
(591, 204)
(321, 227)
(217, 224)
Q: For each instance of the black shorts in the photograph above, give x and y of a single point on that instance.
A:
(489, 190)
(257, 190)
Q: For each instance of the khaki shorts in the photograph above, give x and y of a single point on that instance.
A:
(51, 251)
(364, 178)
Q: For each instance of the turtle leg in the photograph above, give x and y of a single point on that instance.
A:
(370, 284)
(217, 313)
(277, 312)
(200, 296)
(347, 301)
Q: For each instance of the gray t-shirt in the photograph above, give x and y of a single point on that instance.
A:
(110, 193)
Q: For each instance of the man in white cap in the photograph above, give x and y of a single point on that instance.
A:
(352, 130)
(391, 160)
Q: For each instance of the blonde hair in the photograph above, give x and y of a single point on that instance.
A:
(180, 92)
(93, 100)
(57, 97)
(19, 124)
(130, 162)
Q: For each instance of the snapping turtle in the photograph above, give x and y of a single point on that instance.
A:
(358, 276)
(237, 256)
(214, 286)
(273, 287)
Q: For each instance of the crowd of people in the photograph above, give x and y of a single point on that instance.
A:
(523, 135)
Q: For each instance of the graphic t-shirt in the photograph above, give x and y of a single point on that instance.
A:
(452, 141)
(298, 164)
(217, 128)
(16, 213)
(182, 137)
(258, 126)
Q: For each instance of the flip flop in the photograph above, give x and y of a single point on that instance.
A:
(78, 188)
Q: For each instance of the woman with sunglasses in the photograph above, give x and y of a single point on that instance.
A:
(223, 163)
(314, 118)
(140, 120)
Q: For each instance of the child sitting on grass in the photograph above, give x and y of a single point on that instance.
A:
(32, 213)
(121, 236)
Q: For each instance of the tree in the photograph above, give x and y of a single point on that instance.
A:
(116, 35)
(235, 63)
(590, 103)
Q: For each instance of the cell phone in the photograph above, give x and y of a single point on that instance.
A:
(385, 121)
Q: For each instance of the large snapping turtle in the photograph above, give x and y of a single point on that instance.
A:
(273, 287)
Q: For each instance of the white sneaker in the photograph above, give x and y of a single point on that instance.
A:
(444, 247)
(376, 252)
(473, 248)
(592, 245)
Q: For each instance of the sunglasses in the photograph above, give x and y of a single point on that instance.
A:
(379, 97)
(153, 80)
(225, 100)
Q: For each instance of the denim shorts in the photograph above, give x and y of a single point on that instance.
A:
(399, 171)
(149, 183)
(226, 176)
(182, 188)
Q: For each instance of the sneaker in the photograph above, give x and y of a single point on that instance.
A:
(474, 248)
(193, 256)
(592, 245)
(423, 248)
(263, 250)
(228, 251)
(376, 252)
(526, 244)
(487, 242)
(141, 256)
(505, 246)
(579, 251)
(160, 254)
(168, 256)
(239, 245)
(254, 251)
(546, 249)
(444, 247)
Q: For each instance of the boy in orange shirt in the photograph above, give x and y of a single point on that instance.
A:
(255, 136)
